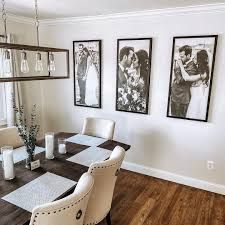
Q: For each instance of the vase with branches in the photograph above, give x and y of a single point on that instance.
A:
(27, 132)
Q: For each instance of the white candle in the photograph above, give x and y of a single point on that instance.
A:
(62, 148)
(49, 146)
(9, 172)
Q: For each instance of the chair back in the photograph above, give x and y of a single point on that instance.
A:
(99, 128)
(9, 137)
(69, 210)
(105, 175)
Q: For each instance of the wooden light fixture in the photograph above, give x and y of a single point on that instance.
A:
(26, 50)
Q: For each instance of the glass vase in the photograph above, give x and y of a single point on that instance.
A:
(30, 156)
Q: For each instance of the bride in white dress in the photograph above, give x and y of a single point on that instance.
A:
(91, 96)
(197, 108)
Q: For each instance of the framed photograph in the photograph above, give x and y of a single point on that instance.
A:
(133, 74)
(87, 73)
(191, 77)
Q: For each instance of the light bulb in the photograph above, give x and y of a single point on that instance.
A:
(7, 62)
(24, 64)
(38, 66)
(51, 65)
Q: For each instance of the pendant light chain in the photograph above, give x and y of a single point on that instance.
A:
(36, 21)
(4, 19)
(7, 58)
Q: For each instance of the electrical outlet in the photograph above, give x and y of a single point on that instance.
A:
(210, 165)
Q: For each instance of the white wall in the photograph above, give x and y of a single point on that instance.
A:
(177, 146)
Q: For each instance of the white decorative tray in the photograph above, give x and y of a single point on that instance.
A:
(43, 189)
(90, 155)
(86, 140)
(20, 153)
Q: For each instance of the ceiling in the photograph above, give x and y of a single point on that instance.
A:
(50, 9)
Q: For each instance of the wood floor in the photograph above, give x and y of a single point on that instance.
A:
(144, 200)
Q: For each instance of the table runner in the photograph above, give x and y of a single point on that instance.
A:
(20, 153)
(43, 189)
(90, 155)
(86, 140)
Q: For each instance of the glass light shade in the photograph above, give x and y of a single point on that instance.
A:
(51, 66)
(7, 62)
(39, 65)
(24, 64)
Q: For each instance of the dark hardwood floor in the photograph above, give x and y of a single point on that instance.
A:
(144, 200)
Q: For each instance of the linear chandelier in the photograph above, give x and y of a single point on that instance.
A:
(24, 65)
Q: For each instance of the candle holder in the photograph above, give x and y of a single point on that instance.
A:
(49, 145)
(62, 145)
(7, 162)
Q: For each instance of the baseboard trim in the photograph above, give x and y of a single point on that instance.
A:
(189, 181)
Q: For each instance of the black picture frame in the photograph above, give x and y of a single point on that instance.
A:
(211, 71)
(97, 65)
(147, 84)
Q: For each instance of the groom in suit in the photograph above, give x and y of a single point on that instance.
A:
(125, 60)
(180, 90)
(81, 72)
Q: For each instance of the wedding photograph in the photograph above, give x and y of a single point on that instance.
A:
(133, 74)
(191, 77)
(87, 73)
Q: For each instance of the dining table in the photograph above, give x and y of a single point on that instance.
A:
(11, 214)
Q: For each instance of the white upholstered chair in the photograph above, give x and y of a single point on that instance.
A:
(9, 137)
(99, 127)
(105, 175)
(67, 211)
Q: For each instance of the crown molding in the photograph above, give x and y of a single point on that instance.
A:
(20, 19)
(210, 8)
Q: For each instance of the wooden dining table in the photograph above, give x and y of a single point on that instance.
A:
(13, 215)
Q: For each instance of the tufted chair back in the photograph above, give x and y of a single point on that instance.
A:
(99, 128)
(105, 174)
(67, 211)
(9, 137)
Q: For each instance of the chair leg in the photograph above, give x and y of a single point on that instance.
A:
(108, 219)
